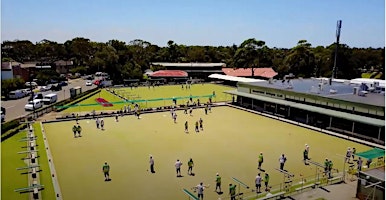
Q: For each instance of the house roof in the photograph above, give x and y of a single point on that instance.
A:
(262, 72)
(165, 64)
(169, 73)
(7, 65)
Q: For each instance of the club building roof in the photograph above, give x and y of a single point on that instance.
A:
(165, 64)
(169, 73)
(339, 90)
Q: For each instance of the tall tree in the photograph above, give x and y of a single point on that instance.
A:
(249, 53)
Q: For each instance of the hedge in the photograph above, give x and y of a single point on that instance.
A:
(11, 132)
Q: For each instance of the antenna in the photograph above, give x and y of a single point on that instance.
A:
(338, 27)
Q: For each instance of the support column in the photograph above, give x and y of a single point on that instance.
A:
(379, 133)
(353, 126)
(307, 118)
(252, 104)
(289, 108)
(330, 121)
(275, 108)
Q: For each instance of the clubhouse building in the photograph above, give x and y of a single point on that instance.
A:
(355, 108)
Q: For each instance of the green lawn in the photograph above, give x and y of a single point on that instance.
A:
(229, 145)
(145, 93)
(11, 178)
(45, 175)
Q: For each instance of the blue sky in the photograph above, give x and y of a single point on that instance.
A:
(280, 23)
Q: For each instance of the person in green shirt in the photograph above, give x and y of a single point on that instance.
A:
(326, 164)
(266, 181)
(196, 127)
(218, 183)
(106, 171)
(260, 160)
(190, 167)
(232, 191)
(79, 130)
(74, 129)
(330, 164)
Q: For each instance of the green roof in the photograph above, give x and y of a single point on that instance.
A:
(371, 154)
(329, 112)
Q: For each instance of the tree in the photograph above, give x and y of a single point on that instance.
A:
(249, 53)
(301, 59)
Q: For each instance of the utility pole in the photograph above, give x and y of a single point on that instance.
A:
(338, 27)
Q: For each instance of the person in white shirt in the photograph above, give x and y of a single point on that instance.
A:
(282, 161)
(258, 183)
(200, 190)
(178, 167)
(348, 154)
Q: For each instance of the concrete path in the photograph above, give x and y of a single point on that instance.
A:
(342, 191)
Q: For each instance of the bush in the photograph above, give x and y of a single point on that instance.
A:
(11, 132)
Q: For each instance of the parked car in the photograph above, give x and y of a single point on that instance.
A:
(63, 83)
(56, 87)
(88, 83)
(28, 84)
(26, 91)
(36, 96)
(17, 94)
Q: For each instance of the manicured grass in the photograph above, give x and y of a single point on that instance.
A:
(229, 145)
(91, 100)
(145, 93)
(11, 178)
(44, 175)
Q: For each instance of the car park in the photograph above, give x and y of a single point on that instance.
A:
(33, 105)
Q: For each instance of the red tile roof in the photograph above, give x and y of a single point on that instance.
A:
(169, 73)
(262, 72)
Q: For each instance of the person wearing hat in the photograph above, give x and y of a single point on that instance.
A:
(260, 160)
(218, 183)
(106, 171)
(305, 156)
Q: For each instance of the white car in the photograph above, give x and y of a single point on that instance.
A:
(34, 104)
(88, 83)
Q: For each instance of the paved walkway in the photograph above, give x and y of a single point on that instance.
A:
(342, 191)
